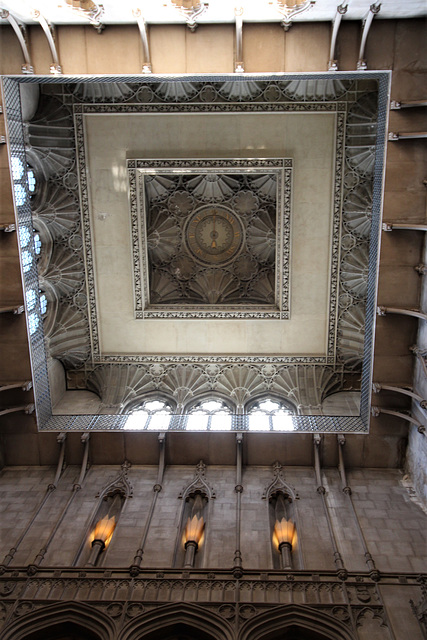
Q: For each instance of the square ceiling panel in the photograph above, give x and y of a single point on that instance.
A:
(213, 237)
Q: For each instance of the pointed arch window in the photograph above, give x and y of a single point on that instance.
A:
(209, 414)
(152, 414)
(270, 414)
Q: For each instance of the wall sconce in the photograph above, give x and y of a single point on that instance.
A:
(283, 535)
(193, 534)
(101, 537)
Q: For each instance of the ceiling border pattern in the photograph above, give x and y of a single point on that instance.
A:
(208, 359)
(30, 278)
(339, 108)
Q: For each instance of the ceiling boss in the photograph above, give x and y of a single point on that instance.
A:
(214, 235)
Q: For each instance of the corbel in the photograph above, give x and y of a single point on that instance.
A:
(414, 313)
(376, 411)
(333, 62)
(238, 65)
(408, 226)
(377, 387)
(142, 26)
(26, 408)
(191, 14)
(16, 309)
(92, 14)
(49, 32)
(20, 33)
(410, 135)
(289, 13)
(420, 354)
(408, 104)
(25, 386)
(373, 11)
(421, 269)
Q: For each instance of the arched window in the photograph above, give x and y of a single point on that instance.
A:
(31, 179)
(209, 414)
(37, 243)
(43, 303)
(270, 414)
(154, 414)
(33, 318)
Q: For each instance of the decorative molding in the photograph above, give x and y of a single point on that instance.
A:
(279, 484)
(121, 484)
(113, 603)
(198, 484)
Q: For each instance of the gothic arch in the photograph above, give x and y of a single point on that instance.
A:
(314, 623)
(83, 616)
(164, 621)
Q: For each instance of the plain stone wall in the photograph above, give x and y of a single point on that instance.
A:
(394, 527)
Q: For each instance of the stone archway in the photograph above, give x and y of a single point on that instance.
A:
(179, 621)
(62, 631)
(294, 622)
(61, 621)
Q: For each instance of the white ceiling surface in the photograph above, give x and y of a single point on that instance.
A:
(163, 11)
(307, 138)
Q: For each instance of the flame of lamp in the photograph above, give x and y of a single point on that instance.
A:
(104, 530)
(194, 530)
(192, 536)
(284, 531)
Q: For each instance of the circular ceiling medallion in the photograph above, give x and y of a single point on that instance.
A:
(214, 235)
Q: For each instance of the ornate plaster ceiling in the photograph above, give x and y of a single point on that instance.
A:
(73, 274)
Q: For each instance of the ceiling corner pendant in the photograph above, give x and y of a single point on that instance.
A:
(190, 10)
(290, 8)
(90, 10)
